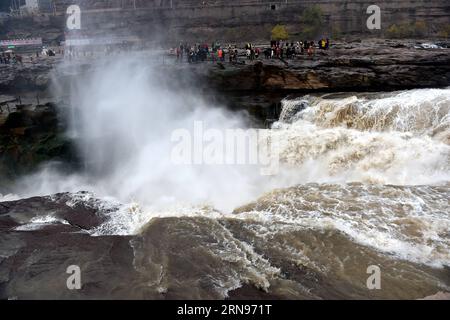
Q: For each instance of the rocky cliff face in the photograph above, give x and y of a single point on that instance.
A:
(239, 21)
(358, 66)
(31, 136)
(346, 67)
(16, 79)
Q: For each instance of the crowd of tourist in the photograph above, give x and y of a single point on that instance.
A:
(10, 58)
(13, 58)
(286, 50)
(193, 53)
(277, 50)
(199, 52)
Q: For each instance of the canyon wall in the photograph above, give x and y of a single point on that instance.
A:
(233, 20)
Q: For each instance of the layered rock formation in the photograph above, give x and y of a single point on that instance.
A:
(17, 79)
(248, 20)
(31, 136)
(358, 66)
(346, 67)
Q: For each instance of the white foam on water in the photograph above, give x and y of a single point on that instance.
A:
(253, 267)
(343, 155)
(130, 218)
(411, 223)
(40, 222)
(422, 111)
(9, 197)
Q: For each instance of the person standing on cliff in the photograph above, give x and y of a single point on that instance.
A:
(187, 51)
(298, 48)
(311, 49)
(257, 53)
(191, 56)
(322, 44)
(220, 54)
(223, 55)
(278, 52)
(19, 59)
(180, 50)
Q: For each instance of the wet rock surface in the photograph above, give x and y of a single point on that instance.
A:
(31, 136)
(190, 258)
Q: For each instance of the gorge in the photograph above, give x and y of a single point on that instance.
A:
(360, 132)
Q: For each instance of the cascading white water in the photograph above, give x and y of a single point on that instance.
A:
(422, 112)
(399, 138)
(123, 116)
(394, 146)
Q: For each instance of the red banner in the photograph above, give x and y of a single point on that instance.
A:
(21, 42)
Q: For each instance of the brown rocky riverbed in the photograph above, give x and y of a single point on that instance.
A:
(191, 258)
